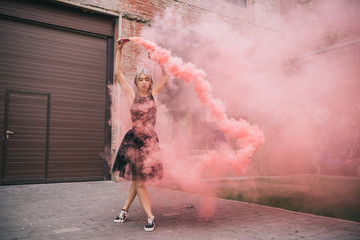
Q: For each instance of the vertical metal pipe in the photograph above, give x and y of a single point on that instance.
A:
(120, 24)
(115, 128)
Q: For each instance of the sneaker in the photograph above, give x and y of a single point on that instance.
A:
(122, 216)
(150, 226)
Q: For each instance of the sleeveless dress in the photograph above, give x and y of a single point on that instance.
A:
(138, 157)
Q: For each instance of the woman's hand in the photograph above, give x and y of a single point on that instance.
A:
(151, 56)
(120, 42)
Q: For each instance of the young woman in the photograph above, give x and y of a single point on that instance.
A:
(138, 156)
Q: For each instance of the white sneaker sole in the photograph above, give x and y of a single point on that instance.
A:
(119, 221)
(149, 229)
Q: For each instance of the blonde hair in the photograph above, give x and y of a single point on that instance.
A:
(143, 70)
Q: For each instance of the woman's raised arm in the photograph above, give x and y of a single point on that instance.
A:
(161, 83)
(118, 75)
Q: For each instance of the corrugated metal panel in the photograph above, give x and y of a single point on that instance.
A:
(72, 67)
(59, 15)
(26, 148)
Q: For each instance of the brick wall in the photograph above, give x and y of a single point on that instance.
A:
(136, 14)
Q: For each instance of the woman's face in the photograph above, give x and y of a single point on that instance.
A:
(143, 82)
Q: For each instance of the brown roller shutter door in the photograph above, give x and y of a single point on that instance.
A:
(53, 92)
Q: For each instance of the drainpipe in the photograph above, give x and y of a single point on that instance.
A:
(116, 129)
(120, 24)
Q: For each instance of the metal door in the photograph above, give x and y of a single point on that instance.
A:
(25, 137)
(52, 48)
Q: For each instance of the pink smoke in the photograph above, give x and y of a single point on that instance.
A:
(296, 78)
(247, 137)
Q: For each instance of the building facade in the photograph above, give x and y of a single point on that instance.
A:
(57, 61)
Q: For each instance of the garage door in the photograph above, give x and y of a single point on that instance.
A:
(54, 72)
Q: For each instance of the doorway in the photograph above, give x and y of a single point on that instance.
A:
(25, 137)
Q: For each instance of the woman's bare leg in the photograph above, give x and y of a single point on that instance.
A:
(131, 196)
(144, 197)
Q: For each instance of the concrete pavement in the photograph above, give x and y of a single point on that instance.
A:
(85, 210)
